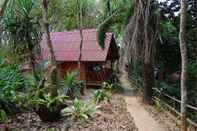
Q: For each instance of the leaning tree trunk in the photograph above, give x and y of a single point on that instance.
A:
(46, 27)
(53, 73)
(80, 25)
(183, 49)
(3, 7)
(33, 65)
(81, 33)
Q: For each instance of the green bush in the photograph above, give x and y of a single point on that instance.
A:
(10, 81)
(79, 110)
(11, 84)
(42, 99)
(107, 86)
(104, 93)
(157, 102)
(192, 83)
(47, 107)
(71, 87)
(3, 115)
(100, 95)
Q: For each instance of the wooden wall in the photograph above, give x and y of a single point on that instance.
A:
(86, 73)
(72, 66)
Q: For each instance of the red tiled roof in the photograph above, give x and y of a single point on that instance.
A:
(66, 46)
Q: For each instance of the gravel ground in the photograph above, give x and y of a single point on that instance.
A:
(111, 116)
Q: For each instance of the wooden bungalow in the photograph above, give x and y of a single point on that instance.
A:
(96, 63)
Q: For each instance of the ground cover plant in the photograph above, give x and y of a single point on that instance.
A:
(71, 86)
(79, 110)
(47, 106)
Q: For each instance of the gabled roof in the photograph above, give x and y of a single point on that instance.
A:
(66, 46)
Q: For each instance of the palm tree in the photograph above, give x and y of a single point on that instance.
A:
(23, 31)
(183, 49)
(113, 17)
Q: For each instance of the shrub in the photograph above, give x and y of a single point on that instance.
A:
(11, 83)
(43, 99)
(100, 95)
(79, 110)
(107, 87)
(47, 107)
(104, 93)
(3, 115)
(71, 87)
(157, 102)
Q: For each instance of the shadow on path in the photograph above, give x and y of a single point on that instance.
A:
(143, 120)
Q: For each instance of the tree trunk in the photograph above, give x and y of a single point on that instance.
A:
(140, 38)
(80, 51)
(46, 27)
(3, 7)
(148, 82)
(183, 49)
(53, 75)
(79, 19)
(148, 56)
(33, 66)
(80, 25)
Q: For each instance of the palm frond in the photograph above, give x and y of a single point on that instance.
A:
(102, 29)
(118, 17)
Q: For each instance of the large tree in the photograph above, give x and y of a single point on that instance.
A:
(140, 40)
(140, 36)
(183, 49)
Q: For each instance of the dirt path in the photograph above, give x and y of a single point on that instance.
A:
(143, 120)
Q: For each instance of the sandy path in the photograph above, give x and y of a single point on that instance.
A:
(142, 118)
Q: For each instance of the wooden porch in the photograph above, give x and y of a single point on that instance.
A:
(97, 77)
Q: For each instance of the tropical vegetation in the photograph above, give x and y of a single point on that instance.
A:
(157, 45)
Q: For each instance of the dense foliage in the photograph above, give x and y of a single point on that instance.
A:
(11, 85)
(71, 86)
(167, 64)
(21, 31)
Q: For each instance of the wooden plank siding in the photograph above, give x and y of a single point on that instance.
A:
(87, 75)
